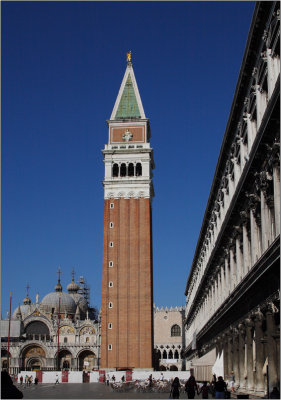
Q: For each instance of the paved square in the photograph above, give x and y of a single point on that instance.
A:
(84, 391)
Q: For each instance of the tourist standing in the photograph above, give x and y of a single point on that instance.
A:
(220, 388)
(191, 387)
(232, 381)
(175, 388)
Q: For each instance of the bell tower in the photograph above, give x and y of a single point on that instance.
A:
(127, 289)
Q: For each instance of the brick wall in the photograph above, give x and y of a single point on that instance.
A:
(131, 294)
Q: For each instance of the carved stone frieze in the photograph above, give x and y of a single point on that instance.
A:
(245, 218)
(241, 328)
(249, 322)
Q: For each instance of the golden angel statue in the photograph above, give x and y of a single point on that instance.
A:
(129, 56)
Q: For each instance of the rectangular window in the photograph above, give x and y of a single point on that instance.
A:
(110, 347)
(110, 284)
(111, 224)
(110, 244)
(110, 264)
(110, 325)
(110, 305)
(111, 205)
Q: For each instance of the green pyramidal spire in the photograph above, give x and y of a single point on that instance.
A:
(128, 106)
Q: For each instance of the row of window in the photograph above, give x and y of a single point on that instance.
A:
(87, 340)
(123, 170)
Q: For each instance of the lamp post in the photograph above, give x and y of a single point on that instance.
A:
(99, 322)
(9, 331)
(58, 333)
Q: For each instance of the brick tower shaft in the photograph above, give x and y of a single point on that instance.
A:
(127, 288)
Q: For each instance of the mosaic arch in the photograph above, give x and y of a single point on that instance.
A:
(33, 358)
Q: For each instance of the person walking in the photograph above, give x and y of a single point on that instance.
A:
(220, 388)
(205, 389)
(57, 379)
(275, 394)
(175, 388)
(232, 381)
(21, 379)
(191, 387)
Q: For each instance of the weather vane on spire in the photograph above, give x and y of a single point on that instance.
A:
(129, 56)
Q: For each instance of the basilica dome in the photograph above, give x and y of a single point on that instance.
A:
(73, 287)
(80, 301)
(25, 309)
(50, 303)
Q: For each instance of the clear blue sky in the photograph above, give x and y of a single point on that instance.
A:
(62, 66)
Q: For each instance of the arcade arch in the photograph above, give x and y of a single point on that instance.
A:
(87, 360)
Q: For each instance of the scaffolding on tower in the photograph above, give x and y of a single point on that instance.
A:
(84, 289)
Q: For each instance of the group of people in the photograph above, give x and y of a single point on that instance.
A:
(218, 388)
(28, 380)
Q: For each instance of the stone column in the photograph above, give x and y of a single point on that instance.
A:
(249, 339)
(235, 366)
(264, 183)
(261, 104)
(255, 237)
(225, 202)
(223, 294)
(242, 357)
(239, 261)
(215, 294)
(246, 245)
(251, 130)
(260, 357)
(230, 354)
(242, 153)
(225, 354)
(231, 187)
(227, 281)
(271, 347)
(237, 170)
(265, 223)
(276, 191)
(270, 73)
(232, 266)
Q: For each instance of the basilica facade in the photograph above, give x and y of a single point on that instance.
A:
(59, 333)
(232, 291)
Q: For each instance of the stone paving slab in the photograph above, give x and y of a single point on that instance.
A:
(85, 391)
